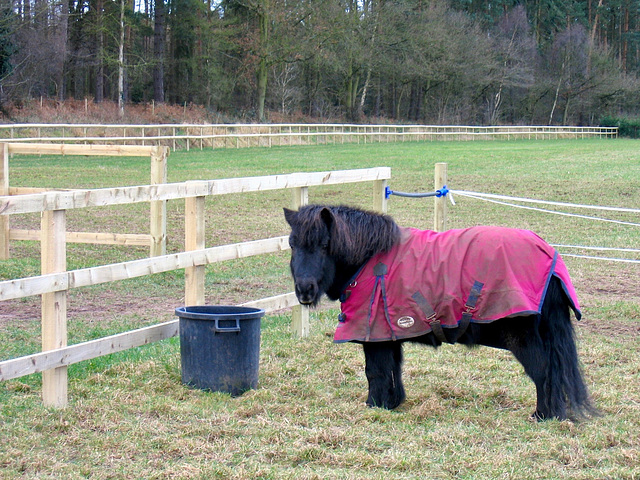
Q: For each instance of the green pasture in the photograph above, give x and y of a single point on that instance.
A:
(466, 414)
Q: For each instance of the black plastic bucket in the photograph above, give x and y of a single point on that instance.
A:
(220, 347)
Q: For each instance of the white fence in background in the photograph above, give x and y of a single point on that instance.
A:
(187, 136)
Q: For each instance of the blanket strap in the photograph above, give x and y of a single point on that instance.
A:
(469, 306)
(437, 330)
(380, 270)
(433, 322)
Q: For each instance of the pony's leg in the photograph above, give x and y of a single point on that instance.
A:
(564, 388)
(529, 349)
(547, 350)
(384, 373)
(520, 336)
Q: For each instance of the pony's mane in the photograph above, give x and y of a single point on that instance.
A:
(356, 235)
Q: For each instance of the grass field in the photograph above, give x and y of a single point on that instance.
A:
(466, 414)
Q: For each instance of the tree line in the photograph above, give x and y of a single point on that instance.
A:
(426, 61)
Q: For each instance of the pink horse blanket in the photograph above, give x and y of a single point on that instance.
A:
(431, 280)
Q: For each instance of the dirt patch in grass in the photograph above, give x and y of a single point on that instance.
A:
(85, 305)
(610, 327)
(613, 284)
(92, 305)
(620, 289)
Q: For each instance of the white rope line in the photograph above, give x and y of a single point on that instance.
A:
(625, 260)
(602, 249)
(483, 198)
(487, 197)
(608, 249)
(544, 202)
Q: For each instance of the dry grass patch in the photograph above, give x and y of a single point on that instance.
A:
(466, 417)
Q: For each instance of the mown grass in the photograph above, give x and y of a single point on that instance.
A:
(466, 415)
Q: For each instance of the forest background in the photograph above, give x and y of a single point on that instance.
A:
(406, 61)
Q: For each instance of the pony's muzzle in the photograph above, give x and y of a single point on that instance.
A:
(307, 291)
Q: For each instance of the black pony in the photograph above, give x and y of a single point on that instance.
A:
(330, 245)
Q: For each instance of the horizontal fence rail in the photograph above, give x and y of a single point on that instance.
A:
(39, 202)
(156, 239)
(85, 277)
(179, 136)
(55, 280)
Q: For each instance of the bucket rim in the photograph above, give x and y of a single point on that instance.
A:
(219, 312)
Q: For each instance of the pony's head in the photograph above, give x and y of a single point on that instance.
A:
(329, 244)
(312, 266)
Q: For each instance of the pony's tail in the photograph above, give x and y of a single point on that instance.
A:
(566, 391)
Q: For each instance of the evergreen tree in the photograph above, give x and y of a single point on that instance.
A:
(7, 47)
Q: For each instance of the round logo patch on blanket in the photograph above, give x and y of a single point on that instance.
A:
(406, 322)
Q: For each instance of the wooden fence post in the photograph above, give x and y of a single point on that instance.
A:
(194, 240)
(440, 203)
(158, 208)
(300, 313)
(54, 305)
(4, 190)
(380, 196)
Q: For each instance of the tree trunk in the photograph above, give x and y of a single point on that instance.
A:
(263, 67)
(555, 99)
(592, 38)
(367, 81)
(158, 52)
(365, 88)
(351, 93)
(625, 38)
(262, 75)
(121, 62)
(565, 113)
(63, 39)
(99, 94)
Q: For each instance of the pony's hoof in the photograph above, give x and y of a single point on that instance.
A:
(385, 405)
(537, 417)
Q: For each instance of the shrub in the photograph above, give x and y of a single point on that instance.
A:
(627, 127)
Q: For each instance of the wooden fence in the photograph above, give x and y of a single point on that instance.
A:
(55, 281)
(267, 135)
(156, 239)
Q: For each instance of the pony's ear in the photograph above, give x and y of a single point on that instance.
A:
(327, 217)
(289, 215)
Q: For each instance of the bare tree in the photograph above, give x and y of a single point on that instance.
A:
(515, 50)
(285, 90)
